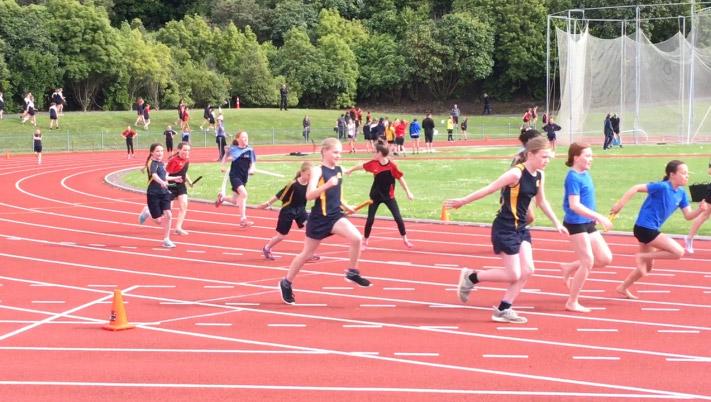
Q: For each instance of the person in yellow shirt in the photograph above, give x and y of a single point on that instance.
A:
(450, 129)
(390, 135)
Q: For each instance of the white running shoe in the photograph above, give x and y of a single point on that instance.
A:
(168, 244)
(689, 245)
(465, 285)
(508, 315)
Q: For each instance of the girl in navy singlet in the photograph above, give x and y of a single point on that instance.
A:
(243, 164)
(326, 218)
(509, 234)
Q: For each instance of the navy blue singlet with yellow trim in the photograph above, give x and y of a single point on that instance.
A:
(329, 203)
(514, 200)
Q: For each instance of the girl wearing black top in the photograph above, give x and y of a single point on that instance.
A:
(509, 234)
(37, 145)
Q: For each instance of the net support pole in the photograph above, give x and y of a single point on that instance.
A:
(568, 79)
(622, 70)
(638, 70)
(548, 66)
(682, 80)
(692, 63)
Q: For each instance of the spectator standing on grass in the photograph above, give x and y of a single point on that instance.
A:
(129, 134)
(400, 128)
(2, 105)
(450, 129)
(415, 130)
(146, 116)
(367, 135)
(550, 128)
(30, 113)
(206, 116)
(307, 128)
(615, 121)
(37, 145)
(58, 98)
(53, 116)
(351, 133)
(454, 113)
(169, 133)
(464, 126)
(487, 104)
(220, 139)
(283, 97)
(608, 132)
(428, 125)
(139, 111)
(341, 127)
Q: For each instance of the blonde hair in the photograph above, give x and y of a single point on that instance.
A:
(329, 143)
(534, 145)
(305, 167)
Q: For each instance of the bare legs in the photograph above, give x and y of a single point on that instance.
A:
(592, 251)
(663, 247)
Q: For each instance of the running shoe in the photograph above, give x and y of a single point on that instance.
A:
(168, 244)
(508, 315)
(220, 200)
(465, 285)
(245, 223)
(287, 295)
(268, 254)
(142, 217)
(353, 275)
(689, 245)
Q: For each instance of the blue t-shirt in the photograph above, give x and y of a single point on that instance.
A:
(662, 200)
(579, 184)
(242, 159)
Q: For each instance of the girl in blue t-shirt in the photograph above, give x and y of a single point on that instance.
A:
(663, 198)
(243, 164)
(580, 218)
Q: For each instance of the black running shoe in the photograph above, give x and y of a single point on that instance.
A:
(353, 275)
(287, 295)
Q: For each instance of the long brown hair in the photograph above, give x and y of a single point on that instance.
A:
(147, 165)
(574, 150)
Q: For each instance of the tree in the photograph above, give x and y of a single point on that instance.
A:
(300, 63)
(200, 85)
(289, 14)
(244, 13)
(253, 81)
(383, 68)
(339, 72)
(154, 13)
(330, 22)
(192, 34)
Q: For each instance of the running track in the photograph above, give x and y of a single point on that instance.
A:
(211, 324)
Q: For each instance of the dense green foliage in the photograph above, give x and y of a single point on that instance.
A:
(330, 53)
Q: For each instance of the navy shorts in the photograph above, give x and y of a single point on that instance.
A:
(399, 140)
(289, 215)
(508, 240)
(177, 190)
(320, 227)
(429, 137)
(575, 228)
(552, 137)
(186, 138)
(236, 181)
(707, 197)
(157, 203)
(645, 235)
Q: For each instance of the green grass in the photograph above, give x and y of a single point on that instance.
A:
(457, 172)
(102, 130)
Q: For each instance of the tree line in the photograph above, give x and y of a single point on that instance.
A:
(330, 53)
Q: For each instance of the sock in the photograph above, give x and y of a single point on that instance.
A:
(287, 283)
(352, 271)
(504, 305)
(474, 278)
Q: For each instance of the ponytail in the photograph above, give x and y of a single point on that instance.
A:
(671, 167)
(147, 165)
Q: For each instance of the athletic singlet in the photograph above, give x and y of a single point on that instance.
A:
(329, 203)
(383, 187)
(293, 195)
(514, 200)
(242, 158)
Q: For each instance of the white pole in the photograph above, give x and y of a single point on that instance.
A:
(682, 73)
(569, 80)
(692, 55)
(548, 67)
(622, 72)
(638, 69)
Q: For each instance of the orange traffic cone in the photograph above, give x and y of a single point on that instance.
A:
(118, 320)
(444, 215)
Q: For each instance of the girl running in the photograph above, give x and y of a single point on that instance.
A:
(385, 172)
(129, 134)
(157, 195)
(509, 234)
(293, 208)
(663, 198)
(243, 164)
(178, 167)
(326, 218)
(689, 239)
(37, 145)
(580, 218)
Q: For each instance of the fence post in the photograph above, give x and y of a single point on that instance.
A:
(102, 140)
(508, 129)
(204, 142)
(273, 136)
(68, 140)
(482, 129)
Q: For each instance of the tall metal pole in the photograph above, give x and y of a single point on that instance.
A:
(682, 78)
(692, 63)
(569, 80)
(548, 66)
(638, 68)
(623, 39)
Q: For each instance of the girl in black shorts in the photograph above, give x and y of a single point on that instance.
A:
(689, 239)
(177, 166)
(293, 208)
(243, 164)
(37, 145)
(157, 195)
(326, 218)
(509, 234)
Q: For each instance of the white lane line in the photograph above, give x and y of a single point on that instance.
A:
(678, 331)
(530, 290)
(287, 325)
(604, 272)
(161, 249)
(103, 286)
(241, 304)
(196, 251)
(337, 288)
(447, 265)
(231, 253)
(97, 245)
(658, 274)
(451, 289)
(213, 324)
(420, 354)
(361, 326)
(218, 287)
(517, 328)
(129, 247)
(597, 330)
(41, 285)
(397, 262)
(48, 301)
(312, 304)
(678, 359)
(659, 309)
(707, 291)
(13, 238)
(403, 289)
(439, 327)
(654, 291)
(598, 308)
(148, 350)
(378, 305)
(67, 243)
(446, 306)
(592, 291)
(596, 358)
(505, 356)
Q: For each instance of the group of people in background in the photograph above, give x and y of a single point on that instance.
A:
(611, 129)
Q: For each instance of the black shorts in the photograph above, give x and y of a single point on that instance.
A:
(415, 136)
(169, 143)
(38, 147)
(289, 215)
(645, 235)
(508, 240)
(157, 203)
(186, 138)
(707, 197)
(320, 227)
(177, 189)
(575, 228)
(552, 137)
(400, 140)
(429, 137)
(236, 181)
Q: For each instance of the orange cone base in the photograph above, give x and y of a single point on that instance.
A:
(118, 327)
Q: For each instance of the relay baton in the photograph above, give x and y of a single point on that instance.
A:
(195, 181)
(361, 206)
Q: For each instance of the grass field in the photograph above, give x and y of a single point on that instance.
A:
(455, 172)
(102, 130)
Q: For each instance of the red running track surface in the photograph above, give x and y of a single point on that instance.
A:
(211, 325)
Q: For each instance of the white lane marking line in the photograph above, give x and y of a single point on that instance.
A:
(361, 326)
(506, 356)
(129, 247)
(447, 265)
(593, 291)
(707, 291)
(517, 328)
(287, 325)
(596, 358)
(218, 287)
(699, 360)
(654, 291)
(48, 301)
(597, 330)
(403, 289)
(446, 306)
(678, 331)
(231, 253)
(530, 290)
(97, 245)
(659, 309)
(67, 243)
(658, 274)
(196, 251)
(161, 249)
(14, 238)
(378, 305)
(598, 308)
(156, 286)
(213, 324)
(397, 262)
(439, 327)
(604, 272)
(451, 289)
(241, 304)
(103, 286)
(312, 304)
(148, 350)
(422, 354)
(337, 288)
